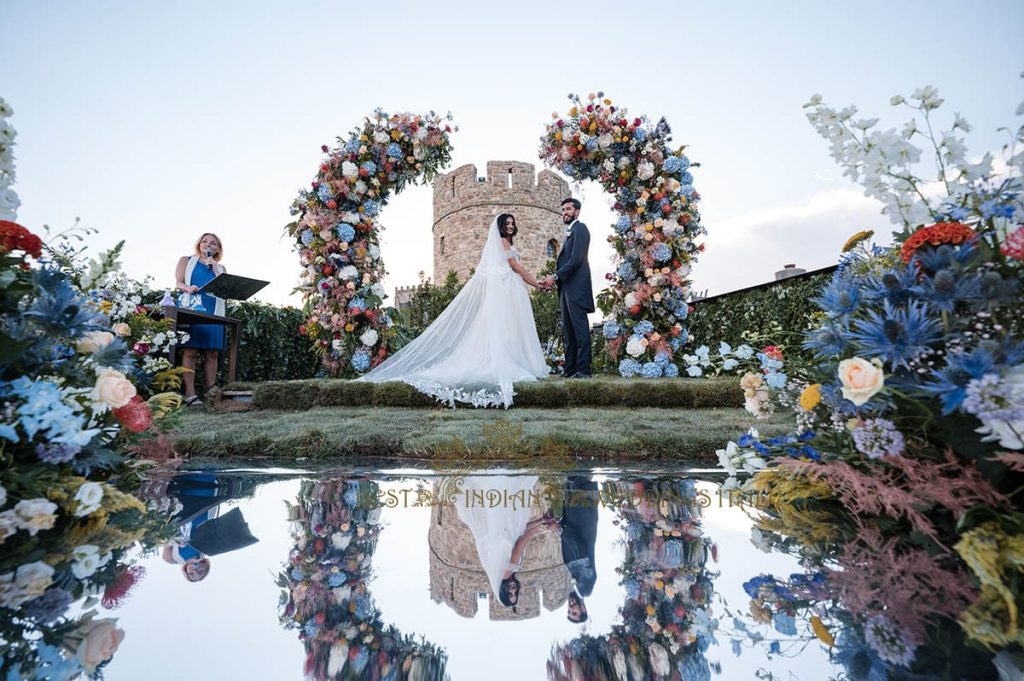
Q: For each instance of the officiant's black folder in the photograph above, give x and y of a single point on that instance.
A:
(233, 287)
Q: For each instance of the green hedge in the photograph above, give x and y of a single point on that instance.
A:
(675, 393)
(781, 311)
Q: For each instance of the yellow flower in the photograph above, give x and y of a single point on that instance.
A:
(349, 327)
(659, 585)
(106, 306)
(573, 111)
(810, 397)
(558, 136)
(650, 610)
(857, 238)
(818, 627)
(607, 102)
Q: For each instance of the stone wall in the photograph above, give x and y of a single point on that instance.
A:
(458, 580)
(465, 205)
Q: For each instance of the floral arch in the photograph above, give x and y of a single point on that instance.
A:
(336, 232)
(654, 235)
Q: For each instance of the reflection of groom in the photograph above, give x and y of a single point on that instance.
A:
(575, 293)
(579, 534)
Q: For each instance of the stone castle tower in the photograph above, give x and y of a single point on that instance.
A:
(465, 205)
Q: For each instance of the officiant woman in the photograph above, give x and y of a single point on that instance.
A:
(193, 272)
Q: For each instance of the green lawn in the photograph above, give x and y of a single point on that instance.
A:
(690, 435)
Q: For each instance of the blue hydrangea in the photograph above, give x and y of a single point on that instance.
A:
(671, 371)
(681, 310)
(369, 166)
(371, 208)
(676, 342)
(686, 189)
(673, 165)
(361, 361)
(775, 379)
(629, 367)
(351, 495)
(336, 579)
(306, 237)
(352, 146)
(57, 453)
(627, 272)
(651, 370)
(395, 150)
(591, 144)
(357, 303)
(611, 330)
(624, 224)
(643, 328)
(686, 178)
(324, 192)
(640, 134)
(661, 358)
(661, 252)
(345, 231)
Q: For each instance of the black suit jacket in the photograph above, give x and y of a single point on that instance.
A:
(573, 268)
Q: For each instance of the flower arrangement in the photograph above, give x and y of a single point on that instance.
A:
(653, 238)
(337, 226)
(906, 506)
(326, 594)
(9, 201)
(667, 623)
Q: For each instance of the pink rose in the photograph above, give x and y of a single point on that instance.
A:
(113, 389)
(100, 641)
(861, 379)
(122, 329)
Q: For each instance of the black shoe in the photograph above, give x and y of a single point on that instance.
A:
(580, 376)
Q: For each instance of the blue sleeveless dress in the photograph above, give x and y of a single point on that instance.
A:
(204, 336)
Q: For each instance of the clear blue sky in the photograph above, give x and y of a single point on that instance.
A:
(157, 121)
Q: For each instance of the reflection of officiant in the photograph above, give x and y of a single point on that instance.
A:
(202, 530)
(579, 534)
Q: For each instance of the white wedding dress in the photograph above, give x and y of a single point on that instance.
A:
(481, 344)
(495, 525)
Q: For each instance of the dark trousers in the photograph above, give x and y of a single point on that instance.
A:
(576, 337)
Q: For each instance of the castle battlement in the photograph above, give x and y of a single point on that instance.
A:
(507, 183)
(466, 203)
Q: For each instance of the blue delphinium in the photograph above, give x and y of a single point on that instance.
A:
(650, 370)
(897, 335)
(345, 231)
(629, 367)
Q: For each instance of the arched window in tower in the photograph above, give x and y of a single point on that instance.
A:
(552, 249)
(442, 245)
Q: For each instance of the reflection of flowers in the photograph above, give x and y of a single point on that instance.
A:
(667, 621)
(327, 597)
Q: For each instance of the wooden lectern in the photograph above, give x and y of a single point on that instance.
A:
(229, 287)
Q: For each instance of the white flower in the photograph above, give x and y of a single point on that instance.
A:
(369, 337)
(337, 659)
(337, 345)
(99, 641)
(349, 169)
(381, 137)
(1008, 434)
(87, 560)
(635, 347)
(32, 579)
(759, 540)
(726, 456)
(9, 524)
(95, 341)
(645, 170)
(605, 140)
(377, 290)
(348, 272)
(35, 514)
(861, 379)
(896, 100)
(815, 100)
(340, 540)
(630, 300)
(112, 389)
(88, 496)
(659, 660)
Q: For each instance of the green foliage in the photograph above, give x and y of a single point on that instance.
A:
(428, 301)
(545, 310)
(784, 305)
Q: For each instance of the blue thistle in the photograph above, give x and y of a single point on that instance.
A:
(897, 336)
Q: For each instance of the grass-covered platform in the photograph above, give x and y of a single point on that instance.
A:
(600, 391)
(686, 436)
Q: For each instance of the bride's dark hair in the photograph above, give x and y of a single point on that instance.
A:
(503, 592)
(502, 221)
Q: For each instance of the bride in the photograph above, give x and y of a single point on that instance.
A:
(484, 341)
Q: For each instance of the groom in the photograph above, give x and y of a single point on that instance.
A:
(575, 295)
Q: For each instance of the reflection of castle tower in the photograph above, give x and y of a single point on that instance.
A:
(458, 580)
(465, 205)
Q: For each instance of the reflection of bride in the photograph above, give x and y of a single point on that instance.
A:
(483, 342)
(500, 531)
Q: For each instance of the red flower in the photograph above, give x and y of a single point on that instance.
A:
(772, 352)
(302, 329)
(14, 237)
(141, 348)
(323, 148)
(332, 204)
(121, 587)
(135, 416)
(1014, 246)
(936, 235)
